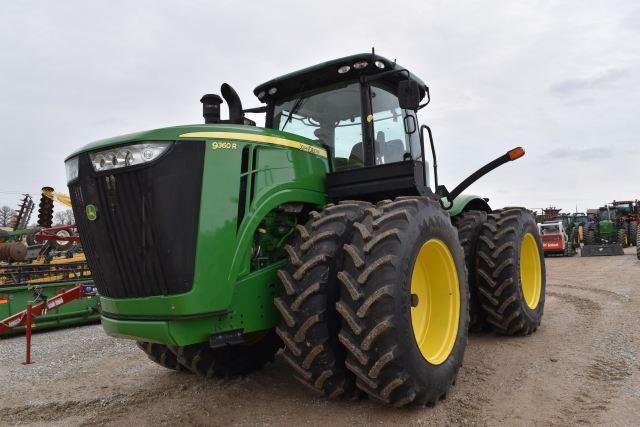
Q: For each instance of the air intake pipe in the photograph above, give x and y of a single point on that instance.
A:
(211, 108)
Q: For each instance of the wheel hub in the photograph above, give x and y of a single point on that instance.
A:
(530, 271)
(435, 297)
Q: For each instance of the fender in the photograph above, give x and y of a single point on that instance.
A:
(467, 202)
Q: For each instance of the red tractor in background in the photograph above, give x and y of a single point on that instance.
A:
(627, 218)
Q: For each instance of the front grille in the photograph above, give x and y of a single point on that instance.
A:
(143, 241)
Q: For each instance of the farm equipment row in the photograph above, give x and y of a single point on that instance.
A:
(41, 267)
(604, 231)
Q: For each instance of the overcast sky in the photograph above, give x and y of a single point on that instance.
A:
(562, 79)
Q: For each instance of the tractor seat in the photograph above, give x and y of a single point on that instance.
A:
(393, 151)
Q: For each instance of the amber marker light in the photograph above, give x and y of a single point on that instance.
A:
(515, 153)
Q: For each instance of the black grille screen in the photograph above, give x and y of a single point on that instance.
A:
(143, 241)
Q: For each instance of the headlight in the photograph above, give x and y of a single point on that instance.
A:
(129, 155)
(71, 166)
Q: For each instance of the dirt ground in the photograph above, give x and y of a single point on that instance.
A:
(581, 367)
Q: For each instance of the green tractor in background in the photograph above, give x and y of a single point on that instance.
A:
(606, 229)
(214, 245)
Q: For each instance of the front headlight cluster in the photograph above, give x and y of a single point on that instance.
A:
(129, 155)
(71, 167)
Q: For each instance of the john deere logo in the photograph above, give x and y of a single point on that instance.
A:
(92, 212)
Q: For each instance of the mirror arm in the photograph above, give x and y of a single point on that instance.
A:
(370, 78)
(262, 109)
(433, 153)
(426, 90)
(511, 155)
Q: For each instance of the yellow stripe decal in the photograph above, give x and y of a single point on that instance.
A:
(258, 138)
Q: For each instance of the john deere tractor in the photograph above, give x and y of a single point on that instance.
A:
(214, 245)
(606, 229)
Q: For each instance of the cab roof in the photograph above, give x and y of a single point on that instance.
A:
(326, 73)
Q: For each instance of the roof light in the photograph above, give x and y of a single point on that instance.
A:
(380, 64)
(273, 91)
(261, 95)
(360, 65)
(344, 69)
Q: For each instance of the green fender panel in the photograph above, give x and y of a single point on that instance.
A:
(465, 202)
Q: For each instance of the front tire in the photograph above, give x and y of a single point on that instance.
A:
(512, 272)
(590, 236)
(633, 233)
(307, 304)
(160, 354)
(622, 237)
(230, 361)
(405, 302)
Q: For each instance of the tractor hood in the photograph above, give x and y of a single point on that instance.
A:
(202, 131)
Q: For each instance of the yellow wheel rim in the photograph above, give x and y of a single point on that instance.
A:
(530, 271)
(435, 301)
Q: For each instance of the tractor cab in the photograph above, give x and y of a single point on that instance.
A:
(362, 110)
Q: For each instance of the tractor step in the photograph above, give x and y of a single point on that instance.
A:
(602, 250)
(222, 339)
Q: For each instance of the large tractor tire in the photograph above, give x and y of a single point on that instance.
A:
(622, 238)
(511, 272)
(160, 354)
(633, 233)
(310, 289)
(469, 225)
(405, 302)
(638, 243)
(231, 361)
(590, 236)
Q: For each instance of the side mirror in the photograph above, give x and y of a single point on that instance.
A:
(409, 94)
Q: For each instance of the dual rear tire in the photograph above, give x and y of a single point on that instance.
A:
(511, 272)
(404, 297)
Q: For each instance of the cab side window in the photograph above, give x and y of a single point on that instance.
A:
(392, 143)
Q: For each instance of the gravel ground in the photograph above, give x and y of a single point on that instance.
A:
(581, 367)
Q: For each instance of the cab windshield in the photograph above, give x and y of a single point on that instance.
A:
(607, 214)
(624, 209)
(333, 116)
(550, 229)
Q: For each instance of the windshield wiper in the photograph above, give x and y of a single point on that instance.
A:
(295, 108)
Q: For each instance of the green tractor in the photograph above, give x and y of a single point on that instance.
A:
(606, 229)
(214, 245)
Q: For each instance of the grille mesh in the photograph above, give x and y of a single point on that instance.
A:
(143, 240)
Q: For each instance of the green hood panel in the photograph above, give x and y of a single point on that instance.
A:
(174, 133)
